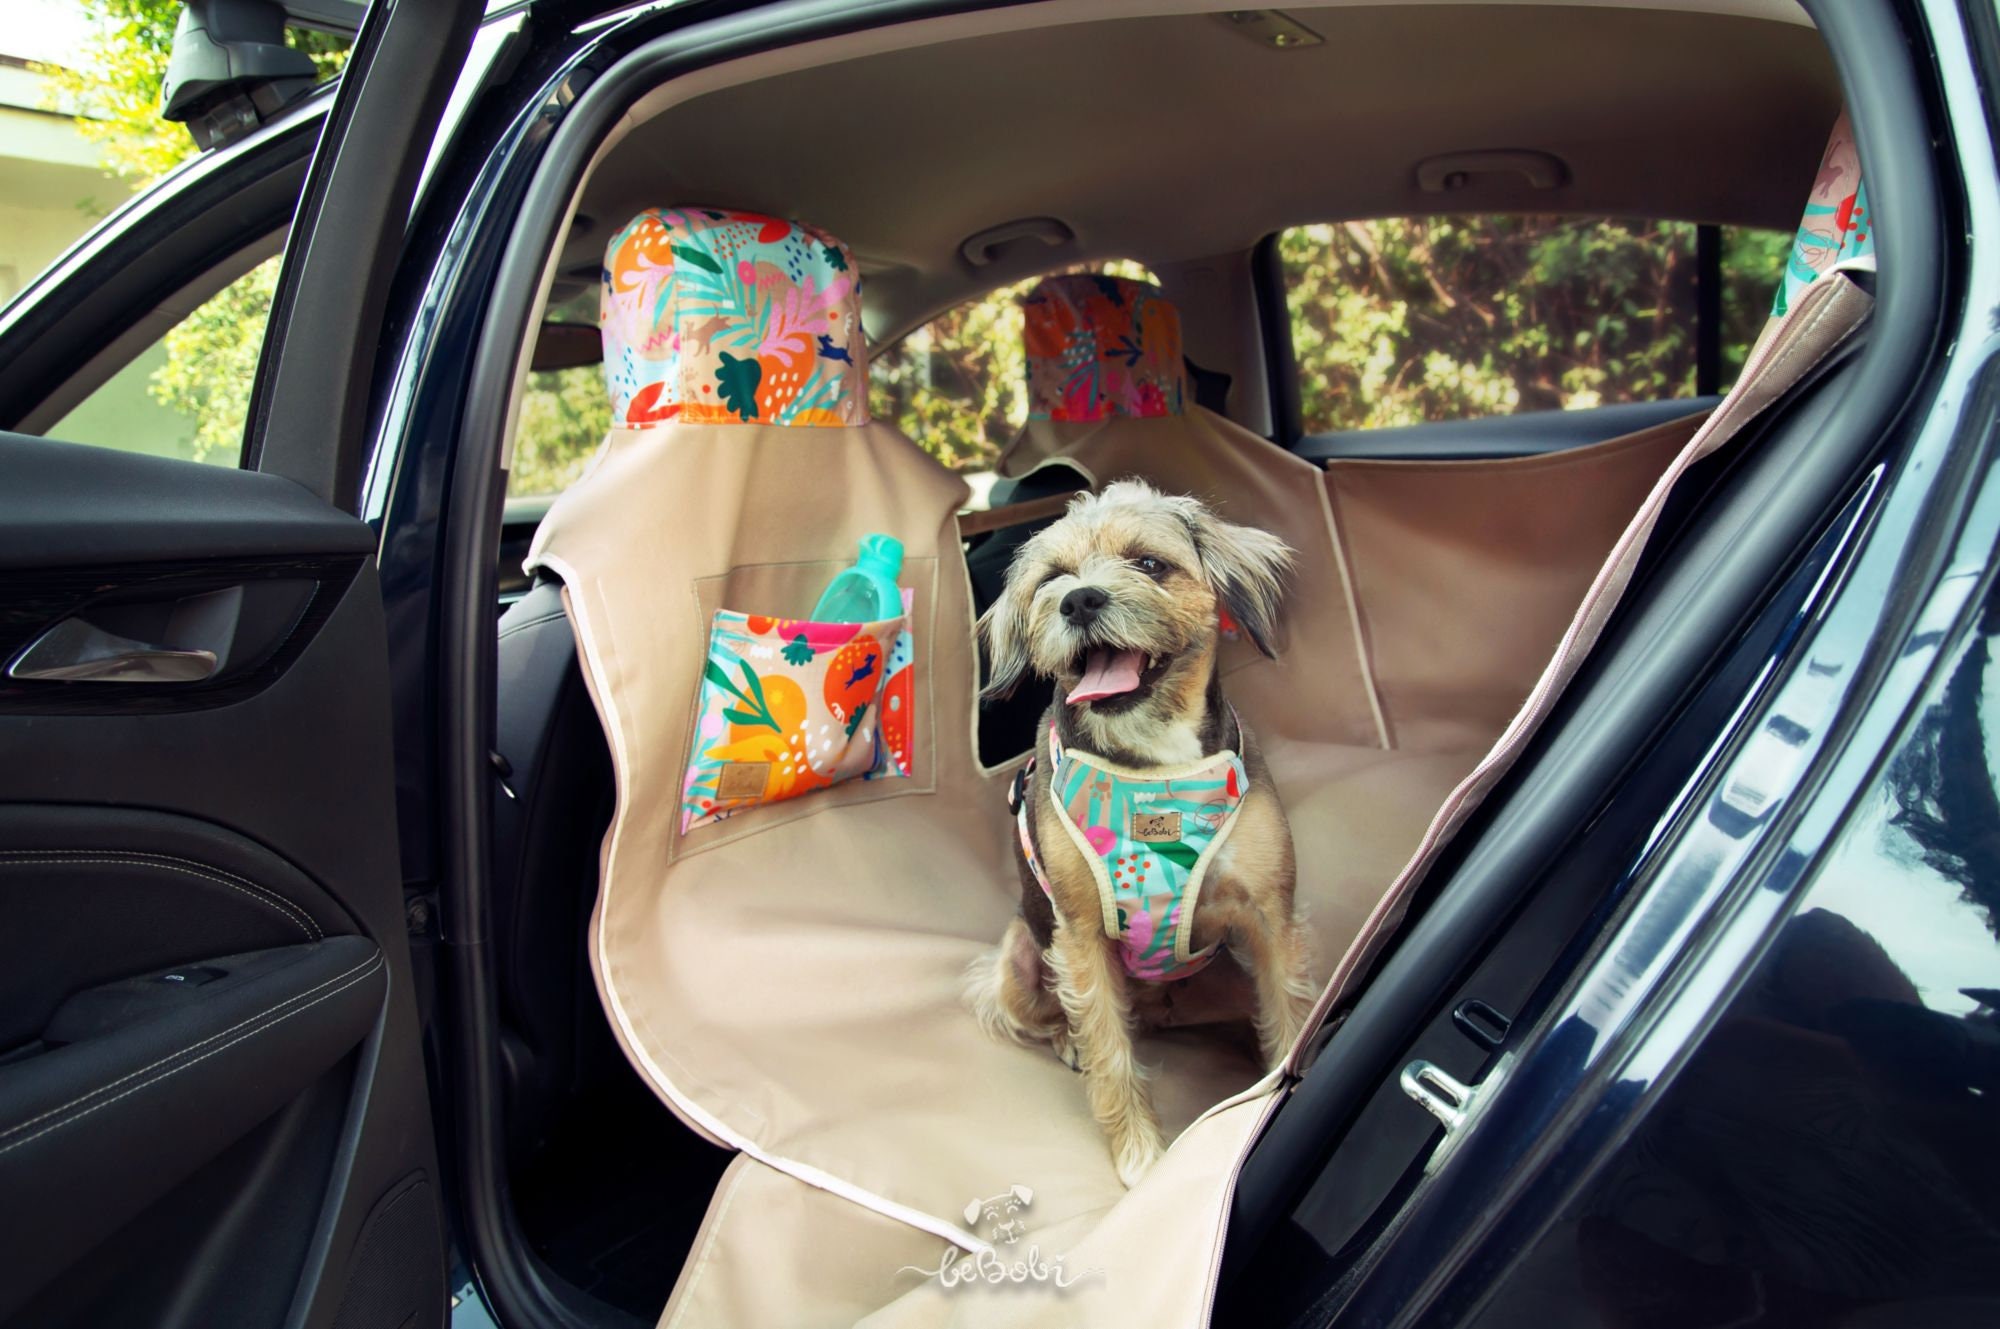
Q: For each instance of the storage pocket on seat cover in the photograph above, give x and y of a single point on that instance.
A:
(790, 706)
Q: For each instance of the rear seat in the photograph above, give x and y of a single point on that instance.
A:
(787, 979)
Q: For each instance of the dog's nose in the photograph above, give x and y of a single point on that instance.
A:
(1081, 606)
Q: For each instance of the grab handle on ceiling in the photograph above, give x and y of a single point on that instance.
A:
(984, 246)
(1455, 170)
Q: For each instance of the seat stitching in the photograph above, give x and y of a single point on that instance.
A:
(182, 1052)
(145, 858)
(58, 1125)
(277, 897)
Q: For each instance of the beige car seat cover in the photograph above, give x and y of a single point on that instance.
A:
(1822, 319)
(788, 978)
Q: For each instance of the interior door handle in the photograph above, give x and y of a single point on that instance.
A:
(197, 632)
(74, 651)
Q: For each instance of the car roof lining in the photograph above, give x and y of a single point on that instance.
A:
(1151, 131)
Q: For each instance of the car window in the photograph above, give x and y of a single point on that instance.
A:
(565, 414)
(80, 92)
(1416, 320)
(565, 411)
(958, 385)
(186, 395)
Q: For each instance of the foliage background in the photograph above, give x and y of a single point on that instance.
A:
(565, 414)
(1394, 322)
(1406, 321)
(115, 79)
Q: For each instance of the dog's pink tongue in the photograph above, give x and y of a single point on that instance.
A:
(1106, 673)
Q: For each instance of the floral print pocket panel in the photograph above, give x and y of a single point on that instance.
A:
(789, 706)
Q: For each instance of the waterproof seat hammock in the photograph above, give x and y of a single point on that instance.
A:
(791, 891)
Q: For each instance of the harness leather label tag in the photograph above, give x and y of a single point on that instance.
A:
(743, 779)
(1156, 827)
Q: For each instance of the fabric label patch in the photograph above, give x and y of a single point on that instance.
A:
(1156, 827)
(743, 779)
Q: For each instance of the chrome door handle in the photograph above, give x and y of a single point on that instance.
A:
(75, 651)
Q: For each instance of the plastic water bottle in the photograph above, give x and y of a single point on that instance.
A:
(866, 592)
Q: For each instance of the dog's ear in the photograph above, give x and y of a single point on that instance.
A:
(1247, 567)
(1003, 628)
(972, 1214)
(1023, 1194)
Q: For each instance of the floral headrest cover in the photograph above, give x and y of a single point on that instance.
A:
(718, 317)
(1099, 347)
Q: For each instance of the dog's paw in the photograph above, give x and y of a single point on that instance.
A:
(1135, 1154)
(1066, 1051)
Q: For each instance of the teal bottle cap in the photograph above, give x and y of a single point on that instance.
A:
(883, 554)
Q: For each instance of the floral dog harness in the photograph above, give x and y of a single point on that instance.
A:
(1149, 837)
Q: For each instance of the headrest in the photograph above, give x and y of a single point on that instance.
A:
(1837, 225)
(1100, 347)
(715, 317)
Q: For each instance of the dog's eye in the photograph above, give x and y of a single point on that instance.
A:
(1149, 565)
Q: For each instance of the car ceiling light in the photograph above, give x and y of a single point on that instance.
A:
(1269, 27)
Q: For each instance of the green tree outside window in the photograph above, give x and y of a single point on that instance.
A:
(1416, 320)
(210, 357)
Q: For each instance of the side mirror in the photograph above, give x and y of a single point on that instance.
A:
(230, 69)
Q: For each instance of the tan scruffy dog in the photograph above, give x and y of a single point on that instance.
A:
(1150, 834)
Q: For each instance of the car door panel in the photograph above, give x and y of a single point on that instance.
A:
(176, 557)
(210, 1069)
(198, 781)
(109, 892)
(134, 1085)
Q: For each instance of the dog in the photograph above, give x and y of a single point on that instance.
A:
(1149, 834)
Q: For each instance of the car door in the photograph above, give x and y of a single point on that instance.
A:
(213, 1102)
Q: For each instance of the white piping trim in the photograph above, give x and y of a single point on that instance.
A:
(1191, 897)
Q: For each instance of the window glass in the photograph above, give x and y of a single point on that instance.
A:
(80, 124)
(565, 411)
(80, 132)
(1753, 261)
(565, 414)
(959, 384)
(1415, 320)
(187, 395)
